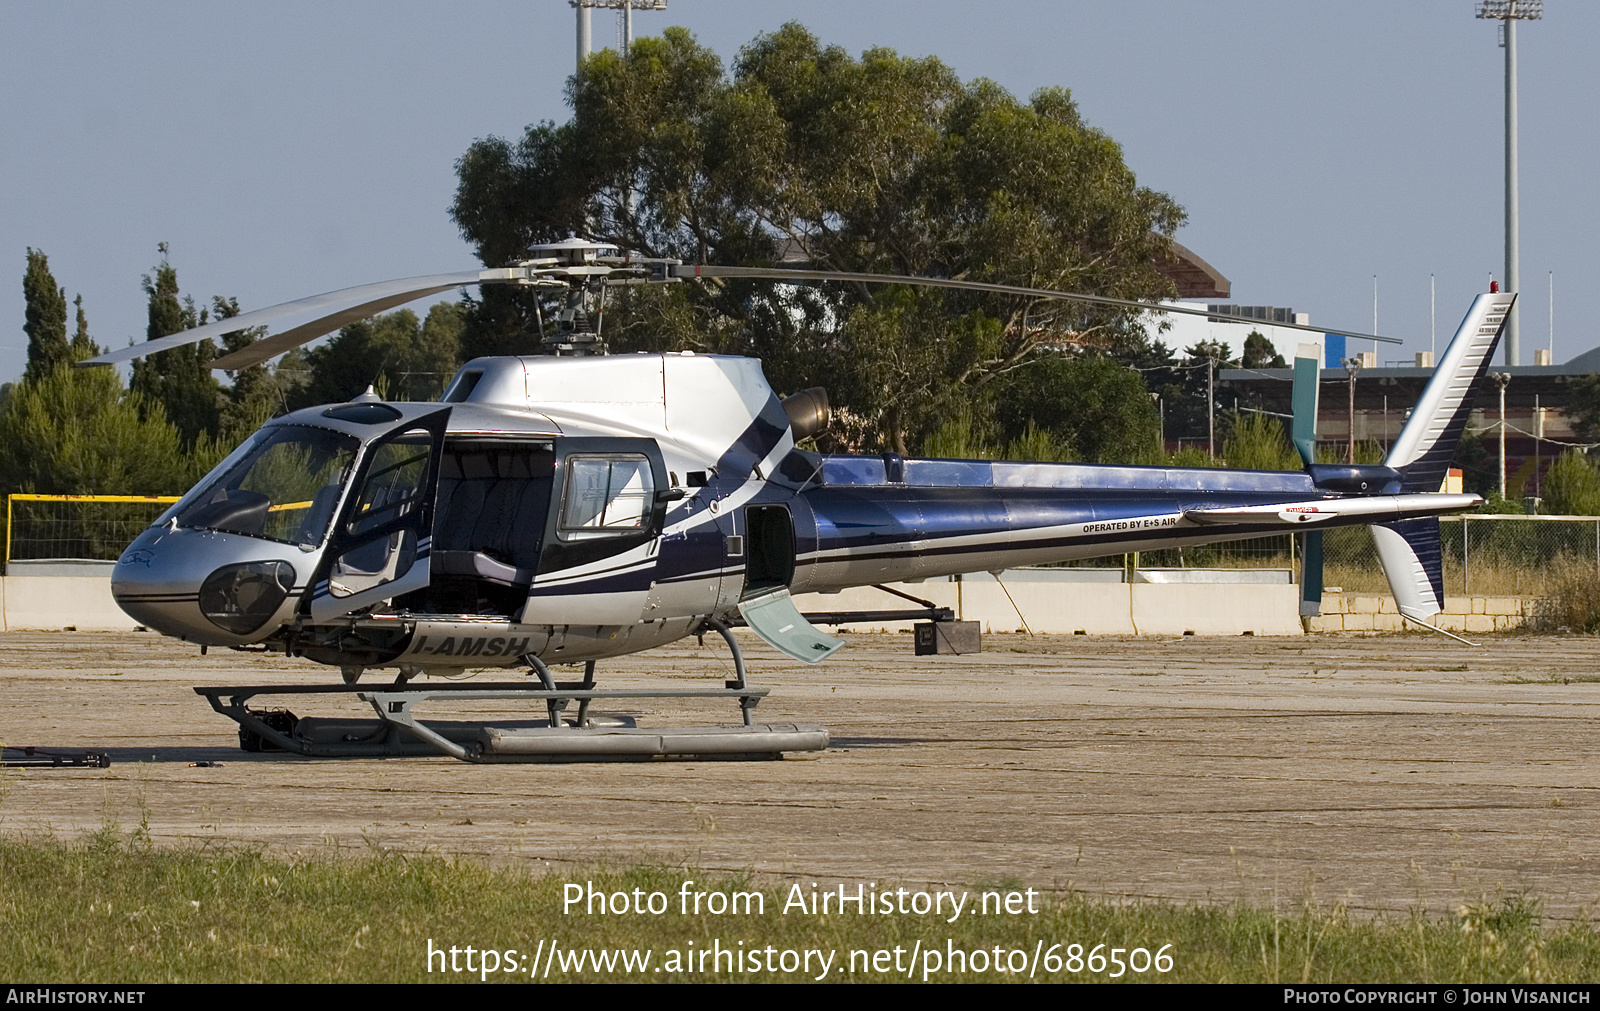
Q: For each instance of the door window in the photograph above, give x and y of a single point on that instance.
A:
(394, 483)
(393, 489)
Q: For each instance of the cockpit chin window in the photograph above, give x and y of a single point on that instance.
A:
(284, 489)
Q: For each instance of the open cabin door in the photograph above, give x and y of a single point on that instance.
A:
(380, 545)
(765, 603)
(603, 535)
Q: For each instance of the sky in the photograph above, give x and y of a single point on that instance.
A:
(292, 148)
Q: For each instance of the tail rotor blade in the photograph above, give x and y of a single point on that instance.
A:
(1307, 373)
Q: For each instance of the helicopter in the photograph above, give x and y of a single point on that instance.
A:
(575, 506)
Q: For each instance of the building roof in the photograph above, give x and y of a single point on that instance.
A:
(1549, 383)
(1585, 363)
(1195, 277)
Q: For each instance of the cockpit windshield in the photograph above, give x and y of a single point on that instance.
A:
(285, 488)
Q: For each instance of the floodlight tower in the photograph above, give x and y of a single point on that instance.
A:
(625, 8)
(1508, 13)
(585, 43)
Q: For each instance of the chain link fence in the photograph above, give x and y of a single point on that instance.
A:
(1484, 555)
(77, 527)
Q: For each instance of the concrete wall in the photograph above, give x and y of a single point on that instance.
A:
(56, 602)
(1036, 600)
(1352, 612)
(1045, 603)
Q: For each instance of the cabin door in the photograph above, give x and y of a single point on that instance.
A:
(380, 545)
(603, 535)
(769, 550)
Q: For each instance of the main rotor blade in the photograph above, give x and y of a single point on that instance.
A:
(689, 270)
(371, 298)
(269, 347)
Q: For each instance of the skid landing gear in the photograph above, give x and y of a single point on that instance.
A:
(398, 731)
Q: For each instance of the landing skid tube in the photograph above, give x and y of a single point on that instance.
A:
(399, 732)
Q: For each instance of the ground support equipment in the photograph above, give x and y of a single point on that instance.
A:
(52, 758)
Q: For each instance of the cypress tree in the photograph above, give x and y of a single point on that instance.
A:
(255, 394)
(179, 380)
(46, 317)
(82, 346)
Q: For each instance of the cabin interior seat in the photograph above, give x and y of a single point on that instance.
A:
(493, 501)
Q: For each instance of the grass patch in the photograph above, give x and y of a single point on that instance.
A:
(1554, 679)
(110, 907)
(1573, 601)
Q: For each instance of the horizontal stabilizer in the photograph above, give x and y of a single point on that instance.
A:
(1372, 509)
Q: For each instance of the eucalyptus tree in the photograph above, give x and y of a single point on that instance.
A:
(804, 153)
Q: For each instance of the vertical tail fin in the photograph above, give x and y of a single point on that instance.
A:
(1413, 559)
(1410, 550)
(1427, 442)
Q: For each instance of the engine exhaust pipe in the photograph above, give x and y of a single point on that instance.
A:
(807, 411)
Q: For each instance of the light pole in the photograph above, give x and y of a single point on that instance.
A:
(1508, 13)
(585, 36)
(1352, 366)
(1211, 404)
(1502, 379)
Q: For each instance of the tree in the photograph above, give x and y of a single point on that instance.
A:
(46, 317)
(78, 431)
(1189, 391)
(1259, 353)
(1584, 409)
(883, 163)
(1259, 443)
(256, 393)
(82, 345)
(1480, 468)
(1094, 407)
(401, 357)
(180, 379)
(1572, 486)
